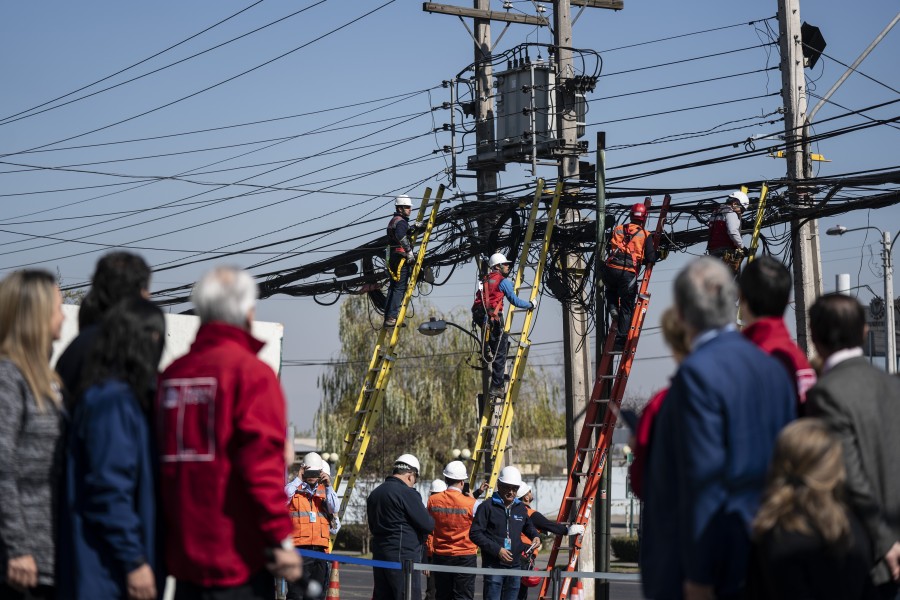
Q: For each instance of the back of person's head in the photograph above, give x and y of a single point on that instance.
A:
(837, 322)
(118, 275)
(226, 294)
(674, 333)
(705, 294)
(128, 347)
(765, 286)
(805, 485)
(27, 303)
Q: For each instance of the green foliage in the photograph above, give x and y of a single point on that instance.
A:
(430, 405)
(625, 548)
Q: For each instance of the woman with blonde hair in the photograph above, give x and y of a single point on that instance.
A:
(807, 543)
(30, 404)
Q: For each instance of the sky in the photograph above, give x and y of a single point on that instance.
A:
(336, 100)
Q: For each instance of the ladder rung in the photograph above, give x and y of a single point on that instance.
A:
(601, 400)
(586, 450)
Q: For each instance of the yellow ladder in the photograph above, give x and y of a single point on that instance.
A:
(496, 422)
(371, 396)
(757, 226)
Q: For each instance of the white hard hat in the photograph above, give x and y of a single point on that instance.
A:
(326, 469)
(740, 197)
(497, 259)
(408, 460)
(456, 470)
(523, 490)
(313, 462)
(438, 485)
(402, 200)
(510, 476)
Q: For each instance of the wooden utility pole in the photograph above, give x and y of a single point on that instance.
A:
(807, 263)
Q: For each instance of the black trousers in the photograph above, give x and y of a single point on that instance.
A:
(41, 592)
(454, 586)
(259, 587)
(314, 569)
(389, 584)
(620, 291)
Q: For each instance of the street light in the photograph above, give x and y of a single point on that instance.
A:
(890, 347)
(433, 327)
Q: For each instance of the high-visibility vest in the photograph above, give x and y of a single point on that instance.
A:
(310, 520)
(490, 297)
(452, 512)
(525, 539)
(627, 252)
(394, 245)
(718, 231)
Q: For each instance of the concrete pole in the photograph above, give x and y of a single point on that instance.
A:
(890, 347)
(576, 344)
(842, 283)
(807, 262)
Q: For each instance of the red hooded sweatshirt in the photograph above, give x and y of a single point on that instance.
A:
(771, 335)
(221, 428)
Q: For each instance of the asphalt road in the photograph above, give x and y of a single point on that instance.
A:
(356, 584)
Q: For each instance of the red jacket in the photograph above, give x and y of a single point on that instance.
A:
(773, 338)
(221, 428)
(642, 438)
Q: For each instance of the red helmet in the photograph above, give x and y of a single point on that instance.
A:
(639, 212)
(531, 581)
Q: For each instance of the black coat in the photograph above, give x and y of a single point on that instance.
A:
(493, 523)
(398, 521)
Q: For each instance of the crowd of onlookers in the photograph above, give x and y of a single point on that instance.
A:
(107, 467)
(113, 476)
(743, 499)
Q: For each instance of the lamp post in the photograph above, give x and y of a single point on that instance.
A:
(890, 347)
(434, 326)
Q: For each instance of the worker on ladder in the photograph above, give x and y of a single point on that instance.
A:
(487, 313)
(630, 247)
(725, 241)
(399, 260)
(311, 502)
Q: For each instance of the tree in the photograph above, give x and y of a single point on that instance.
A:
(430, 405)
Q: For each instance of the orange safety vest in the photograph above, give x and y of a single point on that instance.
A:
(453, 514)
(310, 521)
(525, 539)
(627, 252)
(490, 295)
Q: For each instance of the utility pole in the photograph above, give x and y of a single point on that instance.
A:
(576, 344)
(807, 263)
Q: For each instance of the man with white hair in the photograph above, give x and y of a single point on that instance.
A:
(221, 421)
(711, 445)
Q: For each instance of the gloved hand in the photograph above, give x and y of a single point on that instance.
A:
(741, 251)
(576, 529)
(410, 256)
(533, 305)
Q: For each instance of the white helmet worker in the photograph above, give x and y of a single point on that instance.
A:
(741, 197)
(402, 200)
(408, 460)
(510, 476)
(326, 469)
(456, 471)
(313, 462)
(438, 486)
(498, 259)
(523, 490)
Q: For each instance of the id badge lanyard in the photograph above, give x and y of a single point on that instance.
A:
(507, 543)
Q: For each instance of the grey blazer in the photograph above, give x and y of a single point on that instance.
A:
(861, 405)
(30, 456)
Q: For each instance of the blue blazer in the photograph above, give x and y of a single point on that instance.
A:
(110, 524)
(708, 460)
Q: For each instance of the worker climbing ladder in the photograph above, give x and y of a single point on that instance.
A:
(496, 420)
(600, 421)
(378, 374)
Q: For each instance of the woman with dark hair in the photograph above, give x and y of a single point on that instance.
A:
(30, 425)
(109, 548)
